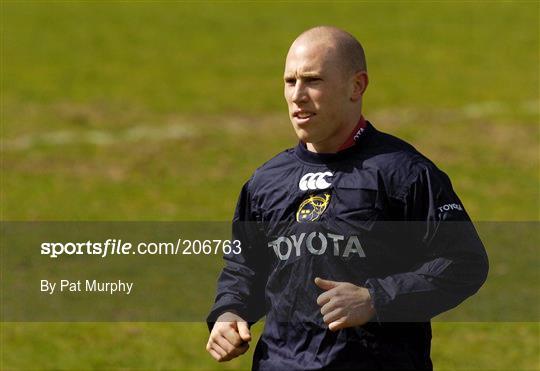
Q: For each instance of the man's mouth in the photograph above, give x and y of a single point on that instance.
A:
(303, 116)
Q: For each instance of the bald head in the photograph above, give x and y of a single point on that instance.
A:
(344, 47)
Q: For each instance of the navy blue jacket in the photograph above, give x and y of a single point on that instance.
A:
(379, 215)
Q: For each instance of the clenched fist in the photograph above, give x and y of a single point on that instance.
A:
(229, 337)
(344, 304)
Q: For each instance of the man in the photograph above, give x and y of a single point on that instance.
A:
(351, 242)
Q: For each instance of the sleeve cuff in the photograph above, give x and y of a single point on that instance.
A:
(379, 299)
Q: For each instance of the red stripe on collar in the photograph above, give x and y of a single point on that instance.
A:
(355, 134)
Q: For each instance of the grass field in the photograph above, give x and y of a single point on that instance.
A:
(160, 111)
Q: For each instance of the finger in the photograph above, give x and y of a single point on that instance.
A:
(338, 324)
(219, 350)
(237, 352)
(325, 297)
(326, 284)
(232, 336)
(224, 344)
(333, 316)
(243, 330)
(214, 354)
(329, 307)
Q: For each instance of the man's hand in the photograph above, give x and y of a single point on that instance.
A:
(344, 304)
(229, 337)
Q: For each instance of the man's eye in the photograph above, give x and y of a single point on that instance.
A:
(313, 79)
(290, 81)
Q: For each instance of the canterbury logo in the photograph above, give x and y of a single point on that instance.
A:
(312, 181)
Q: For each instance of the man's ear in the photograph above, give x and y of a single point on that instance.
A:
(360, 83)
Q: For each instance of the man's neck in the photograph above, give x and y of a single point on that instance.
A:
(342, 141)
(318, 148)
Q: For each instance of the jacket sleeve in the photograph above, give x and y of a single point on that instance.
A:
(452, 263)
(240, 286)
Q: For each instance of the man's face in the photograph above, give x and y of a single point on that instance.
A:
(317, 93)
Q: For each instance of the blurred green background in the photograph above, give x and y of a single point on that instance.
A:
(161, 110)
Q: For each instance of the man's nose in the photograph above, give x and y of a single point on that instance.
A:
(299, 92)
